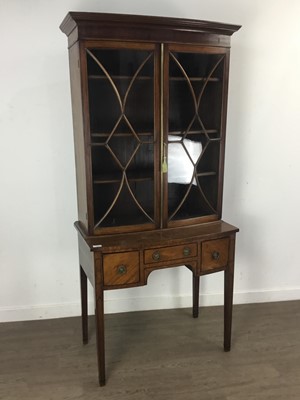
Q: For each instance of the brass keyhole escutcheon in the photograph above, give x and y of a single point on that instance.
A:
(186, 251)
(215, 255)
(122, 269)
(156, 256)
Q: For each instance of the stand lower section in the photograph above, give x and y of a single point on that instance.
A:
(125, 261)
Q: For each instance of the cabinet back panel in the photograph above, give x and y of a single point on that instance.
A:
(121, 82)
(125, 210)
(193, 206)
(209, 160)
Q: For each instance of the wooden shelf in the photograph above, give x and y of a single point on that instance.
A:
(172, 78)
(116, 177)
(141, 134)
(125, 134)
(193, 79)
(121, 77)
(195, 132)
(208, 173)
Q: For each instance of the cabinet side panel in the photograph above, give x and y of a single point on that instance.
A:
(223, 133)
(78, 129)
(86, 258)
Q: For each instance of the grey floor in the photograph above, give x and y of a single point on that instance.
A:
(157, 355)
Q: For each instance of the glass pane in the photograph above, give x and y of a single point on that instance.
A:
(121, 104)
(182, 156)
(195, 101)
(118, 207)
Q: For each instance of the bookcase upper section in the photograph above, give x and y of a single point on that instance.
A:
(149, 101)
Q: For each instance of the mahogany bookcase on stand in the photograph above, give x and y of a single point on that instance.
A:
(149, 101)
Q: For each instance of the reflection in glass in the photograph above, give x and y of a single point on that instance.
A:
(182, 156)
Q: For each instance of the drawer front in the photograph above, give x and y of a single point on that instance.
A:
(214, 254)
(121, 268)
(170, 253)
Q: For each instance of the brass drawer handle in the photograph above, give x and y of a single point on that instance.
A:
(215, 255)
(186, 251)
(156, 256)
(122, 269)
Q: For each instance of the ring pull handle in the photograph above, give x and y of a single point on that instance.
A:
(122, 269)
(156, 256)
(186, 251)
(215, 255)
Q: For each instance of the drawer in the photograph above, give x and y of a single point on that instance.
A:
(121, 268)
(170, 253)
(214, 254)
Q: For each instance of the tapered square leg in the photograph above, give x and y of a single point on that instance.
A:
(196, 285)
(228, 295)
(84, 305)
(99, 314)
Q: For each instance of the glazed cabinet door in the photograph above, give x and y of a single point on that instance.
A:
(195, 98)
(122, 123)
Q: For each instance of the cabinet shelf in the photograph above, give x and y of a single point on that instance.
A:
(207, 173)
(193, 79)
(195, 132)
(116, 177)
(122, 134)
(120, 77)
(128, 134)
(172, 78)
(135, 176)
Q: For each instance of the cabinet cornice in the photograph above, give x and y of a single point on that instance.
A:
(89, 26)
